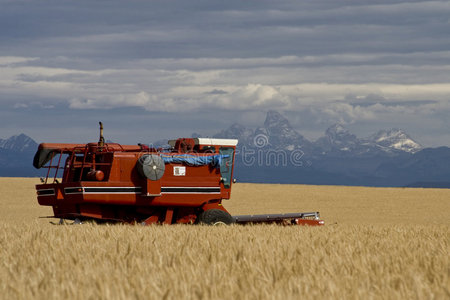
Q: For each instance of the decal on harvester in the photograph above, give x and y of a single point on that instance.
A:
(190, 190)
(179, 171)
(115, 190)
(138, 190)
(102, 190)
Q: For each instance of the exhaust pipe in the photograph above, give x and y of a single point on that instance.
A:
(101, 140)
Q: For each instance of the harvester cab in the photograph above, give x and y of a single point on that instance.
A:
(185, 183)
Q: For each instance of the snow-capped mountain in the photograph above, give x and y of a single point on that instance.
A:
(395, 139)
(16, 156)
(337, 138)
(281, 134)
(18, 143)
(276, 133)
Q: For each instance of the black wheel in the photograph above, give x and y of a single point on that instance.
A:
(215, 217)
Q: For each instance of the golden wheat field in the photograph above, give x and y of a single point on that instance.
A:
(378, 243)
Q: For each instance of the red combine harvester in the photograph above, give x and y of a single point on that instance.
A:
(183, 184)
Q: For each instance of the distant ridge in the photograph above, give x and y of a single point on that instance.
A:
(437, 185)
(16, 156)
(275, 152)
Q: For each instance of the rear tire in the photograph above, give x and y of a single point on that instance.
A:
(215, 217)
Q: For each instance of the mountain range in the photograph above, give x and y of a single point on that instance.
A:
(277, 133)
(276, 153)
(389, 157)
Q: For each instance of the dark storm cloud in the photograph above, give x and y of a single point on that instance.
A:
(152, 29)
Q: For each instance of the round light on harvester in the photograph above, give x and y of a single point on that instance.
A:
(97, 175)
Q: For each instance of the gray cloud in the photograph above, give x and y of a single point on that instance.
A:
(136, 29)
(364, 63)
(217, 92)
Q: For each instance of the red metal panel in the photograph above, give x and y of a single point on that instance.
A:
(152, 188)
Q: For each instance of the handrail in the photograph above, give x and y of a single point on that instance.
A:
(51, 166)
(86, 150)
(72, 163)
